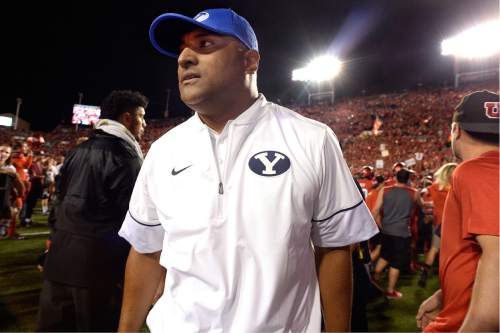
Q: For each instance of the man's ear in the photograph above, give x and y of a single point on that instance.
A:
(456, 130)
(125, 119)
(252, 59)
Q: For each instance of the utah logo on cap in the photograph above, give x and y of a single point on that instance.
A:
(492, 110)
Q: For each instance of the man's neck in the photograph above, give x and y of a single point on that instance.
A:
(216, 115)
(477, 150)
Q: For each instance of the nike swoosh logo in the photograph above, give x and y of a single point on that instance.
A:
(176, 172)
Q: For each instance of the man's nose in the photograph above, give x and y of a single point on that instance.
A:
(187, 58)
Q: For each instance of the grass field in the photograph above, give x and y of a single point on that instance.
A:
(20, 280)
(20, 283)
(399, 315)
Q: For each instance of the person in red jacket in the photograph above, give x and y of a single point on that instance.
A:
(366, 180)
(468, 262)
(22, 158)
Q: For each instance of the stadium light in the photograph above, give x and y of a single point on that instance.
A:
(478, 42)
(320, 69)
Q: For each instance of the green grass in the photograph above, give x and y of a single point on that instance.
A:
(399, 315)
(20, 284)
(20, 280)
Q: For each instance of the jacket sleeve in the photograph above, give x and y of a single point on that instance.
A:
(340, 214)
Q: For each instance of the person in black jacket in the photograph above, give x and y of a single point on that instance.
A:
(84, 268)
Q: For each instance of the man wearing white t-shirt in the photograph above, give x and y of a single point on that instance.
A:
(238, 201)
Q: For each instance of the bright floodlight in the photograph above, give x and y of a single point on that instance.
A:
(323, 68)
(477, 42)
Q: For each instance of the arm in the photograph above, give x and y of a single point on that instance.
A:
(378, 206)
(483, 309)
(418, 200)
(334, 268)
(142, 277)
(161, 286)
(429, 309)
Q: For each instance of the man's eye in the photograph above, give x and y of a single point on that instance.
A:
(206, 43)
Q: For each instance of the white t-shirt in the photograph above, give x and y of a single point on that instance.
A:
(236, 232)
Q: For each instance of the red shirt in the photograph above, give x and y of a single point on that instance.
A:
(438, 198)
(22, 163)
(471, 209)
(366, 185)
(371, 199)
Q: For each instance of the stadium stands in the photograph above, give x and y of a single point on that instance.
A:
(416, 121)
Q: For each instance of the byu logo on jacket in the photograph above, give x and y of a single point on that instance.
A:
(269, 163)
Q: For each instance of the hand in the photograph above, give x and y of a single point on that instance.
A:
(429, 309)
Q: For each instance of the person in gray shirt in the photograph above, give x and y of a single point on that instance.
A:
(398, 203)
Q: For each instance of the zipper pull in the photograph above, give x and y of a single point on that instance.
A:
(221, 188)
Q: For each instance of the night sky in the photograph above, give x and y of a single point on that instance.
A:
(51, 50)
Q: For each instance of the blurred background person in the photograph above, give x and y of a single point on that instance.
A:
(84, 267)
(398, 203)
(438, 192)
(36, 180)
(22, 158)
(371, 199)
(11, 187)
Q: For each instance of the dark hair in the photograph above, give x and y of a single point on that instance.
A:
(121, 101)
(403, 176)
(379, 180)
(17, 145)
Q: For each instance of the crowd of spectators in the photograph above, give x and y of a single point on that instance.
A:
(416, 121)
(412, 122)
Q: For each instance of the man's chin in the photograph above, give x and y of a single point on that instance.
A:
(192, 100)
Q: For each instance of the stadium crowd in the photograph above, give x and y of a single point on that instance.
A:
(412, 122)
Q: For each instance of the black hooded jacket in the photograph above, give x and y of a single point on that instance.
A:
(94, 189)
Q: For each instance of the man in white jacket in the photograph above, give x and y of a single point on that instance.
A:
(236, 202)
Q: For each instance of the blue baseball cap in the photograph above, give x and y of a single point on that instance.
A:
(167, 30)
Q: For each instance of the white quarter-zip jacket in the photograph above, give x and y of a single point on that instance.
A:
(235, 220)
